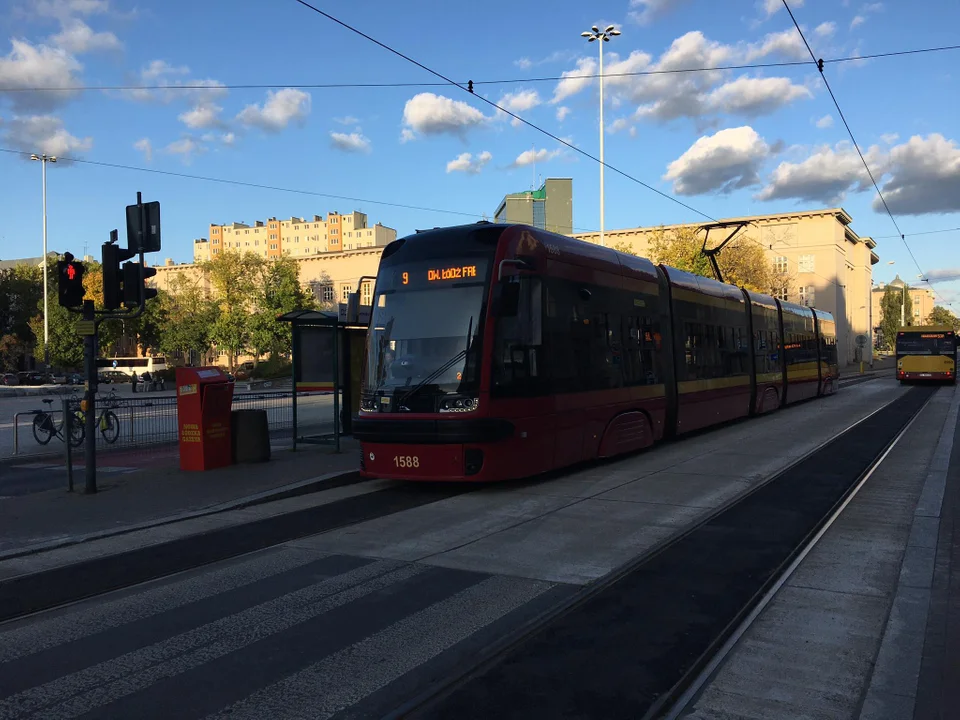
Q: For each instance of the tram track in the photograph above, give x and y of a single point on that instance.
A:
(639, 642)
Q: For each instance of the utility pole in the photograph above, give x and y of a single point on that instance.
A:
(90, 400)
(43, 160)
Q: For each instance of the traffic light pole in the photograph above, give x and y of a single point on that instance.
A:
(90, 401)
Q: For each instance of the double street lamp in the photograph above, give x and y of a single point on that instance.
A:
(603, 36)
(43, 160)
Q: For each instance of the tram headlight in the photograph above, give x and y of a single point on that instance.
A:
(458, 403)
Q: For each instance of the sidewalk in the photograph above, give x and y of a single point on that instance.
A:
(162, 493)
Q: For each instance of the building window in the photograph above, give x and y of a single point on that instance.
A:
(345, 291)
(780, 264)
(366, 294)
(807, 295)
(327, 293)
(539, 215)
(805, 264)
(916, 312)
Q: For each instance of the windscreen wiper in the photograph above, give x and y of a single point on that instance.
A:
(446, 366)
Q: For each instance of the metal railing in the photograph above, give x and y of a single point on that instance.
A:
(149, 420)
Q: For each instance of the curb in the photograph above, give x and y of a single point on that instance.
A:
(303, 487)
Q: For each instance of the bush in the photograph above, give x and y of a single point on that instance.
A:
(275, 367)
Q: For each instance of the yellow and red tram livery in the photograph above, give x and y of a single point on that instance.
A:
(927, 352)
(503, 351)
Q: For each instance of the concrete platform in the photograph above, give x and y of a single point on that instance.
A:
(844, 636)
(350, 623)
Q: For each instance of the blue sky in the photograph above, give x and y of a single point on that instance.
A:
(727, 143)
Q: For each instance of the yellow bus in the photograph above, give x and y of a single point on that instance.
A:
(927, 352)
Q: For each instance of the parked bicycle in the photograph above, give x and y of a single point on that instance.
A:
(107, 422)
(45, 427)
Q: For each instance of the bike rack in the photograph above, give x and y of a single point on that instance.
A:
(16, 425)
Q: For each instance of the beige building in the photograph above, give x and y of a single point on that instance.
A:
(297, 237)
(828, 265)
(922, 300)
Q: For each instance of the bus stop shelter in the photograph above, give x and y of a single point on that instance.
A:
(327, 357)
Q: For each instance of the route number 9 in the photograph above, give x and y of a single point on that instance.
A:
(406, 278)
(406, 461)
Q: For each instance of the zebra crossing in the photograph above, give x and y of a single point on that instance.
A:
(286, 633)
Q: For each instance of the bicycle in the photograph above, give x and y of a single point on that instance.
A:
(45, 427)
(107, 422)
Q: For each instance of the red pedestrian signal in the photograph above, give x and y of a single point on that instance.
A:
(70, 282)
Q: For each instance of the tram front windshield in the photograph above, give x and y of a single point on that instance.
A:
(426, 320)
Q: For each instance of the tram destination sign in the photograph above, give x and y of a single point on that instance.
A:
(433, 273)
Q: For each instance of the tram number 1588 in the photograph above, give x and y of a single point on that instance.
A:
(406, 461)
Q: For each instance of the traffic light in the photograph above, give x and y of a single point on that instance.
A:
(70, 281)
(113, 274)
(133, 289)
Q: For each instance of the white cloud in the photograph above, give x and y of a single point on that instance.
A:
(278, 111)
(528, 157)
(646, 11)
(346, 120)
(825, 122)
(30, 66)
(857, 21)
(64, 9)
(945, 275)
(466, 163)
(825, 29)
(865, 11)
(228, 138)
(146, 147)
(755, 96)
(429, 114)
(519, 102)
(787, 43)
(186, 148)
(824, 177)
(43, 134)
(77, 37)
(924, 177)
(205, 115)
(526, 63)
(572, 85)
(889, 138)
(723, 162)
(562, 113)
(772, 7)
(354, 142)
(171, 81)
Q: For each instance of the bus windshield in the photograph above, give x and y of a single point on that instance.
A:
(925, 344)
(426, 318)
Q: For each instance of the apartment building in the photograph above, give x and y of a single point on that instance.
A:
(921, 298)
(296, 237)
(548, 208)
(828, 265)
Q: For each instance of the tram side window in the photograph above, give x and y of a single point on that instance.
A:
(642, 349)
(518, 347)
(828, 348)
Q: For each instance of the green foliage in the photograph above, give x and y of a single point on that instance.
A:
(941, 316)
(20, 291)
(188, 318)
(890, 304)
(276, 366)
(279, 291)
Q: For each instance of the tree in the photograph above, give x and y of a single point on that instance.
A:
(742, 262)
(890, 304)
(624, 247)
(941, 316)
(147, 329)
(20, 291)
(278, 292)
(234, 279)
(189, 318)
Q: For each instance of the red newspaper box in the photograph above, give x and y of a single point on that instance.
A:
(204, 400)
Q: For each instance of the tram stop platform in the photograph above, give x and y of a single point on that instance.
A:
(868, 625)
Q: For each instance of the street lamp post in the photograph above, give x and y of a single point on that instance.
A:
(903, 297)
(604, 36)
(44, 159)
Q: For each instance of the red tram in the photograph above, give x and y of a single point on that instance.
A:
(503, 351)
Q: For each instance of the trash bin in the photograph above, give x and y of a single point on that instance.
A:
(250, 434)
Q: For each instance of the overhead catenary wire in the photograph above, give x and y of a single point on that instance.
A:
(500, 81)
(820, 66)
